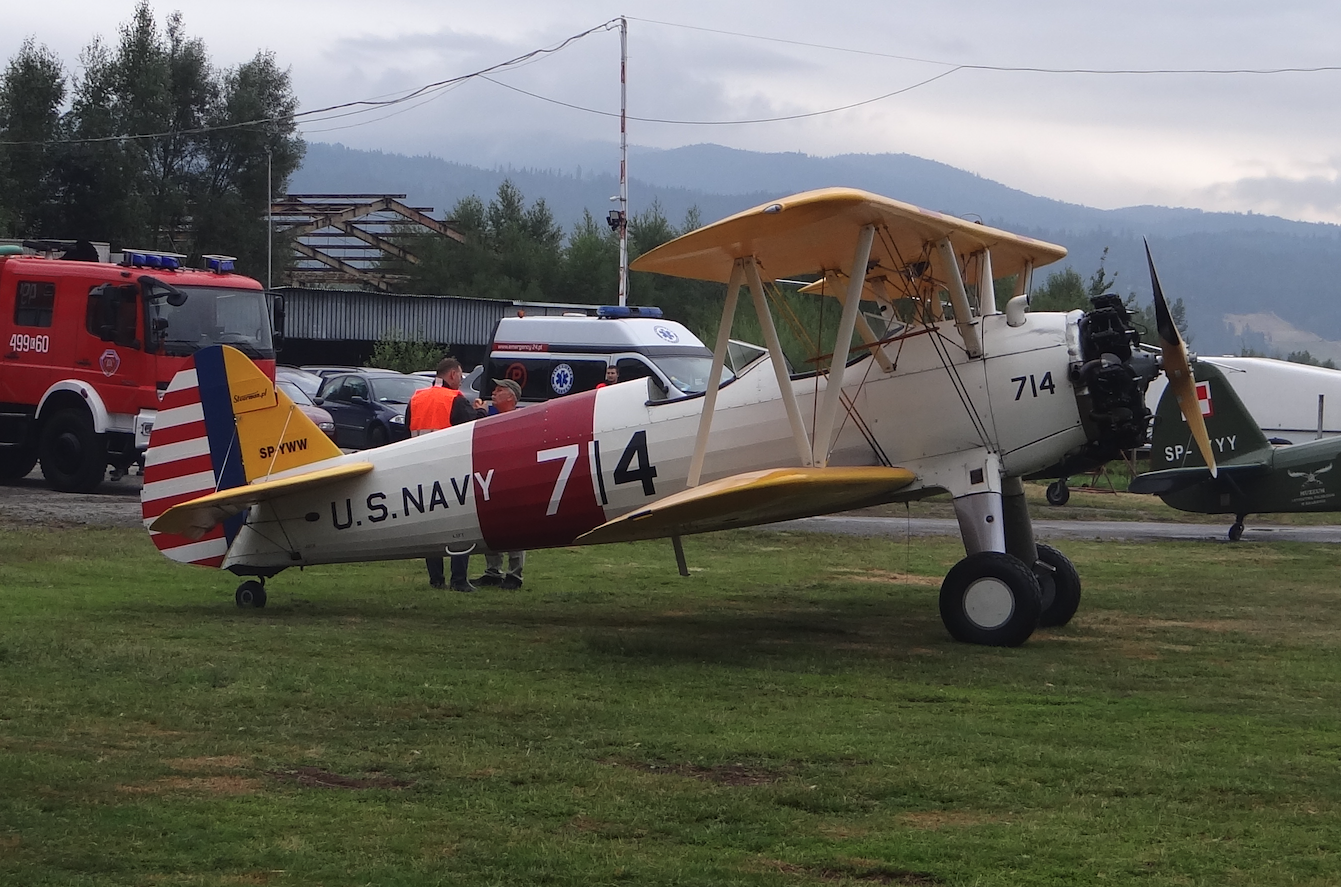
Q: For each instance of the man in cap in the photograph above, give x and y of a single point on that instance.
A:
(506, 395)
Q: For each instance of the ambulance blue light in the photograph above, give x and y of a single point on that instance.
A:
(628, 311)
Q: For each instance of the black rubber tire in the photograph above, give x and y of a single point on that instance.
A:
(1235, 532)
(990, 598)
(1060, 586)
(16, 462)
(1058, 493)
(250, 594)
(377, 437)
(73, 455)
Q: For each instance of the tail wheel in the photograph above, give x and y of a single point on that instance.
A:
(992, 599)
(73, 455)
(16, 462)
(250, 594)
(1060, 583)
(1058, 492)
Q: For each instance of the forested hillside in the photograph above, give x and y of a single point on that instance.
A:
(1218, 263)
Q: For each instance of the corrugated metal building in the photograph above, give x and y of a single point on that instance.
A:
(341, 326)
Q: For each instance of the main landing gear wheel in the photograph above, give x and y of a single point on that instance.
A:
(1058, 492)
(990, 598)
(250, 594)
(1236, 530)
(1060, 584)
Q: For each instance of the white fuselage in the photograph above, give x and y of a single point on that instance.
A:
(543, 475)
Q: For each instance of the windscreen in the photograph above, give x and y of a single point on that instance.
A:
(689, 372)
(213, 316)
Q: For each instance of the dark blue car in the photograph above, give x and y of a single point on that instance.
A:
(368, 406)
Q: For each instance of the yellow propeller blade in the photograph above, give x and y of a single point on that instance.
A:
(1177, 368)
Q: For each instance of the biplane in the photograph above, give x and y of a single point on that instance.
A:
(931, 389)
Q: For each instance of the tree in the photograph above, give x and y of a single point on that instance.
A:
(158, 148)
(32, 90)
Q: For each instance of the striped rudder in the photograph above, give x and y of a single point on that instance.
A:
(221, 424)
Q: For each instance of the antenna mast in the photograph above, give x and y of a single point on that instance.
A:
(623, 160)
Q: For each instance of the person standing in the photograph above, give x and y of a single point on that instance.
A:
(430, 409)
(611, 376)
(506, 395)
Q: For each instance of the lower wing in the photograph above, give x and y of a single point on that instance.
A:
(753, 498)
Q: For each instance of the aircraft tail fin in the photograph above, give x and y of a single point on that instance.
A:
(222, 423)
(1235, 435)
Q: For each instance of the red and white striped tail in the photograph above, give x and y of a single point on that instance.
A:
(178, 467)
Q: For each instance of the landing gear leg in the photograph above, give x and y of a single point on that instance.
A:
(251, 593)
(1058, 581)
(1236, 529)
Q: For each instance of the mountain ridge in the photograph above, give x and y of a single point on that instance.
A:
(1220, 264)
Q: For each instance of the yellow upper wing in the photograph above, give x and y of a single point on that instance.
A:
(197, 517)
(816, 231)
(753, 498)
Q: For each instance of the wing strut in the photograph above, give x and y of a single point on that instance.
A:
(959, 298)
(779, 362)
(842, 345)
(715, 375)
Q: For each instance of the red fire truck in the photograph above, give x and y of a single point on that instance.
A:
(87, 349)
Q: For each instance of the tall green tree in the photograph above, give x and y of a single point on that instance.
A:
(32, 91)
(158, 148)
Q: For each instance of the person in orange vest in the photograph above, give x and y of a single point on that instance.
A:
(611, 376)
(430, 409)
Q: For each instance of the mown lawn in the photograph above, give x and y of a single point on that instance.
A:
(793, 713)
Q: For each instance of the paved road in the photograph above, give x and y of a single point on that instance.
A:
(118, 504)
(1138, 531)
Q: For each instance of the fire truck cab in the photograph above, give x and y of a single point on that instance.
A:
(88, 348)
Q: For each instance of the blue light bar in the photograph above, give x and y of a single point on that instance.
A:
(628, 311)
(219, 264)
(139, 258)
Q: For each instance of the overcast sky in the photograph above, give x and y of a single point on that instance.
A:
(1236, 142)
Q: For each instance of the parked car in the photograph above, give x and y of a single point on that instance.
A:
(320, 417)
(309, 382)
(324, 370)
(368, 406)
(470, 382)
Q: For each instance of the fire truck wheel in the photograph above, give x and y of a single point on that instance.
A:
(16, 462)
(74, 456)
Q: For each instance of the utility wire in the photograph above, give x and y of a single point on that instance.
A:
(350, 108)
(1023, 69)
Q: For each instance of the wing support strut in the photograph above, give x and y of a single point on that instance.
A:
(779, 362)
(828, 416)
(715, 375)
(968, 330)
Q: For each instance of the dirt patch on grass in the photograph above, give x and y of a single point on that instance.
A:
(315, 777)
(208, 785)
(930, 820)
(887, 577)
(867, 870)
(722, 774)
(219, 762)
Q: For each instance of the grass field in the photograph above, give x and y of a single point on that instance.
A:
(792, 714)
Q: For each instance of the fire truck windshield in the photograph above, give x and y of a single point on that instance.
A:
(213, 316)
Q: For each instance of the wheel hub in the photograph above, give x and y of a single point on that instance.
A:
(988, 603)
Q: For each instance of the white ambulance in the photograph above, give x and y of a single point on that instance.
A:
(555, 355)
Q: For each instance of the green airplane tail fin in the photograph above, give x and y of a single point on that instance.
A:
(1235, 435)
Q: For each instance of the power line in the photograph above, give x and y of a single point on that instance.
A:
(350, 108)
(1021, 69)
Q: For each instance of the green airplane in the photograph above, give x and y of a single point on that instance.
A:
(1253, 477)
